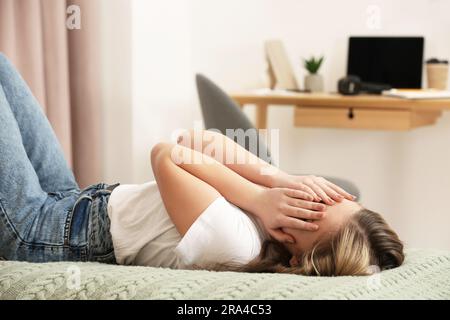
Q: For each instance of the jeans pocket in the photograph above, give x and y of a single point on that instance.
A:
(76, 225)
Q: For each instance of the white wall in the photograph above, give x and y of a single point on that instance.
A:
(163, 83)
(116, 89)
(406, 176)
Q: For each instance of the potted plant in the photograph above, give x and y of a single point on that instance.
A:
(313, 81)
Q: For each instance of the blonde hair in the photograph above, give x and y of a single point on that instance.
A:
(363, 241)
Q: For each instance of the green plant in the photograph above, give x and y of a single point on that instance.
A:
(313, 64)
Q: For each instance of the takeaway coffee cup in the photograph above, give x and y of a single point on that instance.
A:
(437, 74)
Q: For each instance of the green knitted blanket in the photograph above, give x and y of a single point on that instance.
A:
(424, 275)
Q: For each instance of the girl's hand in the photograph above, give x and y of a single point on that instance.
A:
(286, 208)
(320, 188)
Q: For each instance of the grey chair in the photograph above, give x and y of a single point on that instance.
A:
(221, 112)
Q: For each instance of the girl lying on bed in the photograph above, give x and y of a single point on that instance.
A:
(201, 212)
(213, 213)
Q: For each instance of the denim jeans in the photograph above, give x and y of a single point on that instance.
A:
(44, 216)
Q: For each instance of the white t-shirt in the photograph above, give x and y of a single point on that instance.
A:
(143, 233)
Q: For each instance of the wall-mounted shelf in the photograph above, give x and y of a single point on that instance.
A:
(328, 110)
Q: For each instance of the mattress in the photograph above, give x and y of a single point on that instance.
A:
(424, 275)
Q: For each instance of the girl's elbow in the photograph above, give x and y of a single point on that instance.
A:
(158, 152)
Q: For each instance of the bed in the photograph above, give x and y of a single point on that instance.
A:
(424, 275)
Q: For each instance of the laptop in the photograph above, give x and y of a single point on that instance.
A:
(396, 61)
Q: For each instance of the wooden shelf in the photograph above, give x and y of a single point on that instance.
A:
(371, 112)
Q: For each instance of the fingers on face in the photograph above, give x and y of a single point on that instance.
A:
(310, 191)
(299, 224)
(310, 205)
(319, 191)
(298, 194)
(341, 191)
(301, 213)
(330, 192)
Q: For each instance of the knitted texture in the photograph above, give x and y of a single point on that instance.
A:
(424, 275)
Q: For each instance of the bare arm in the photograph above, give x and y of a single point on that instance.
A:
(276, 207)
(179, 189)
(232, 155)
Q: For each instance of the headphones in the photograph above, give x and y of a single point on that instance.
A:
(352, 85)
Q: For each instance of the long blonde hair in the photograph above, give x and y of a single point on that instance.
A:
(365, 240)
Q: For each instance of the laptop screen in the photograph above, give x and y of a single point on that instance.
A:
(397, 61)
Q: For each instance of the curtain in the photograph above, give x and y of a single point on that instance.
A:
(62, 68)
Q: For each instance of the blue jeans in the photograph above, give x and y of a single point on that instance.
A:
(44, 216)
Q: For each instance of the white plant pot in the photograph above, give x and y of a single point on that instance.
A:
(314, 83)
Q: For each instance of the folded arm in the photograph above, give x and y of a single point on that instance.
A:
(275, 207)
(232, 155)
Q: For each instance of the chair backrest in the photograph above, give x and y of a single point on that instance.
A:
(221, 112)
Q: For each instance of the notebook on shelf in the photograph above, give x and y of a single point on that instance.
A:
(417, 94)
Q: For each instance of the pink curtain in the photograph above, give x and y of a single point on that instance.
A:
(62, 68)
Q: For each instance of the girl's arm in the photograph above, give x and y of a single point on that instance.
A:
(232, 155)
(275, 207)
(184, 195)
(246, 164)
